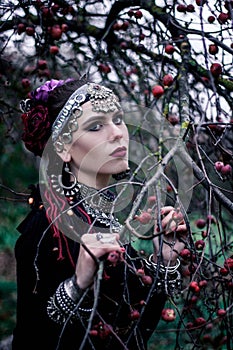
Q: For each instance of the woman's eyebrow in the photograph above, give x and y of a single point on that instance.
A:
(94, 118)
(99, 117)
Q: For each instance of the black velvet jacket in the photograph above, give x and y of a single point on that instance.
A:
(121, 291)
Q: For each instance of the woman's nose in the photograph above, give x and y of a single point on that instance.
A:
(115, 132)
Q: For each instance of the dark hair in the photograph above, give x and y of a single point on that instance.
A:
(58, 97)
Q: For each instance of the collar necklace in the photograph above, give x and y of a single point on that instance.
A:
(97, 203)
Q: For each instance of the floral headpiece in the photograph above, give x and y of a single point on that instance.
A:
(35, 117)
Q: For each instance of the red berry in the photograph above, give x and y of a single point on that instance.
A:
(216, 69)
(185, 253)
(211, 19)
(134, 315)
(211, 218)
(104, 68)
(138, 14)
(169, 49)
(104, 331)
(42, 64)
(56, 32)
(123, 45)
(200, 244)
(26, 83)
(173, 118)
(223, 17)
(218, 165)
(55, 8)
(200, 223)
(194, 299)
(146, 279)
(116, 26)
(223, 271)
(144, 218)
(151, 200)
(204, 234)
(130, 13)
(140, 272)
(64, 27)
(142, 36)
(226, 169)
(207, 338)
(54, 49)
(168, 80)
(190, 8)
(213, 49)
(194, 287)
(181, 8)
(21, 28)
(221, 312)
(168, 315)
(30, 31)
(43, 73)
(228, 263)
(199, 321)
(202, 283)
(125, 25)
(93, 332)
(157, 91)
(189, 325)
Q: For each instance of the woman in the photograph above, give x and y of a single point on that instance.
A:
(80, 286)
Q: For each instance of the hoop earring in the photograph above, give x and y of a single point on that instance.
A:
(59, 178)
(122, 175)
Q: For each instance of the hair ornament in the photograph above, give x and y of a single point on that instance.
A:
(26, 105)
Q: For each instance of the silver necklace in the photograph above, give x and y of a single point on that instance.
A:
(96, 203)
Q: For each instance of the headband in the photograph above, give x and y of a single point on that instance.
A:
(102, 99)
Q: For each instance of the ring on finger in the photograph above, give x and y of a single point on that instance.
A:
(99, 236)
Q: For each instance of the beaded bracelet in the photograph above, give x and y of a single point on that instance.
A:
(63, 304)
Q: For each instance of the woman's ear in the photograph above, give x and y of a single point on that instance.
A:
(65, 156)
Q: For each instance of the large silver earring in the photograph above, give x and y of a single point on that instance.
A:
(67, 170)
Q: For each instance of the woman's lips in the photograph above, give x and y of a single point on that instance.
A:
(119, 152)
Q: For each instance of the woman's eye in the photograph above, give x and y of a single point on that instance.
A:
(118, 119)
(95, 127)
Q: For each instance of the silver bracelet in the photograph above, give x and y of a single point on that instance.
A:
(63, 304)
(72, 289)
(168, 277)
(162, 268)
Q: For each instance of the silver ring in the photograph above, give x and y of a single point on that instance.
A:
(99, 236)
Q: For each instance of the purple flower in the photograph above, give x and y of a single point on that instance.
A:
(42, 92)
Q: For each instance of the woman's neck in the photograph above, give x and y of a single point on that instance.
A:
(97, 181)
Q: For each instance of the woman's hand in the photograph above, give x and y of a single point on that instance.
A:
(98, 244)
(168, 245)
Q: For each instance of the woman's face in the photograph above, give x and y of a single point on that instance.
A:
(100, 146)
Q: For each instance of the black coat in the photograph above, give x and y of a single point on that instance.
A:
(40, 271)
